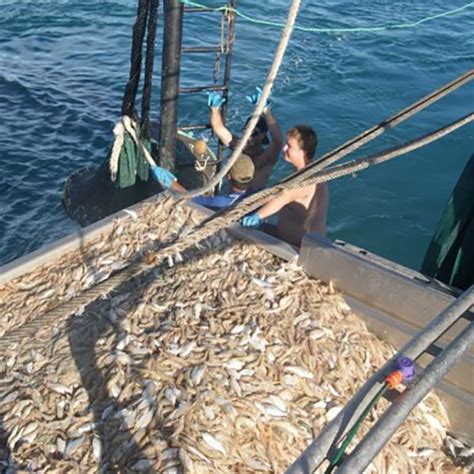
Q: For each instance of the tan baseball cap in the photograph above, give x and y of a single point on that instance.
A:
(243, 169)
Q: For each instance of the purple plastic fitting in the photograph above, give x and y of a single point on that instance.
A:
(407, 367)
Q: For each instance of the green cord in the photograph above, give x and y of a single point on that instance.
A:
(352, 432)
(369, 29)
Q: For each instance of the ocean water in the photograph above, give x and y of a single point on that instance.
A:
(64, 66)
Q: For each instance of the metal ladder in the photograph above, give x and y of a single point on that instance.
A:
(223, 49)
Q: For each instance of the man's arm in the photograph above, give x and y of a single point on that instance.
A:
(273, 206)
(255, 219)
(179, 188)
(218, 127)
(167, 179)
(276, 142)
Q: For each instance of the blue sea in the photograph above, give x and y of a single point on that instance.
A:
(64, 66)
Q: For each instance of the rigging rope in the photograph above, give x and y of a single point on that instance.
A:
(136, 59)
(232, 214)
(360, 164)
(150, 54)
(146, 21)
(367, 29)
(255, 200)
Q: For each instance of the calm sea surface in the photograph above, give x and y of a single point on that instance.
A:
(64, 66)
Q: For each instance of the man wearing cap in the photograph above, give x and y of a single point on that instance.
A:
(240, 178)
(264, 159)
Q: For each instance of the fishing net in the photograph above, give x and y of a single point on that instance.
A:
(450, 256)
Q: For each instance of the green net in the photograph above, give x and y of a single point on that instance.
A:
(132, 163)
(450, 255)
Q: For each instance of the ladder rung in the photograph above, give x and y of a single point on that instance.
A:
(190, 90)
(201, 49)
(186, 164)
(198, 10)
(187, 128)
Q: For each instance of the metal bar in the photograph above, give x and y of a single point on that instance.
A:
(198, 10)
(396, 414)
(318, 450)
(227, 68)
(191, 90)
(200, 49)
(187, 128)
(172, 38)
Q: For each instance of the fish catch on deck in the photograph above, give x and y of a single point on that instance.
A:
(231, 360)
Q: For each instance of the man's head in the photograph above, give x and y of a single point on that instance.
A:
(242, 172)
(301, 144)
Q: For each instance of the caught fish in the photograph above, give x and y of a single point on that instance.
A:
(212, 442)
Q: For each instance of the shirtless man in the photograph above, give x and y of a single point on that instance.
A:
(299, 210)
(264, 159)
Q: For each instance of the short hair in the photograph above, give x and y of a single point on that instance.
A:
(306, 137)
(239, 185)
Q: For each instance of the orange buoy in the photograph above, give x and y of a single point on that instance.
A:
(200, 147)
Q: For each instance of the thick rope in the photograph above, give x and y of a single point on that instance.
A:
(377, 130)
(360, 164)
(348, 147)
(232, 214)
(61, 312)
(285, 38)
(150, 55)
(136, 59)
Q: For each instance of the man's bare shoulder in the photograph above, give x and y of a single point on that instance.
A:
(262, 159)
(306, 191)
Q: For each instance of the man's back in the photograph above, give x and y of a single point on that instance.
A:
(264, 163)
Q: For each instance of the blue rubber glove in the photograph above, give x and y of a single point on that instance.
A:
(164, 177)
(215, 99)
(252, 220)
(256, 96)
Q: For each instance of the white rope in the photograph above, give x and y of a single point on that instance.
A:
(125, 124)
(131, 127)
(119, 132)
